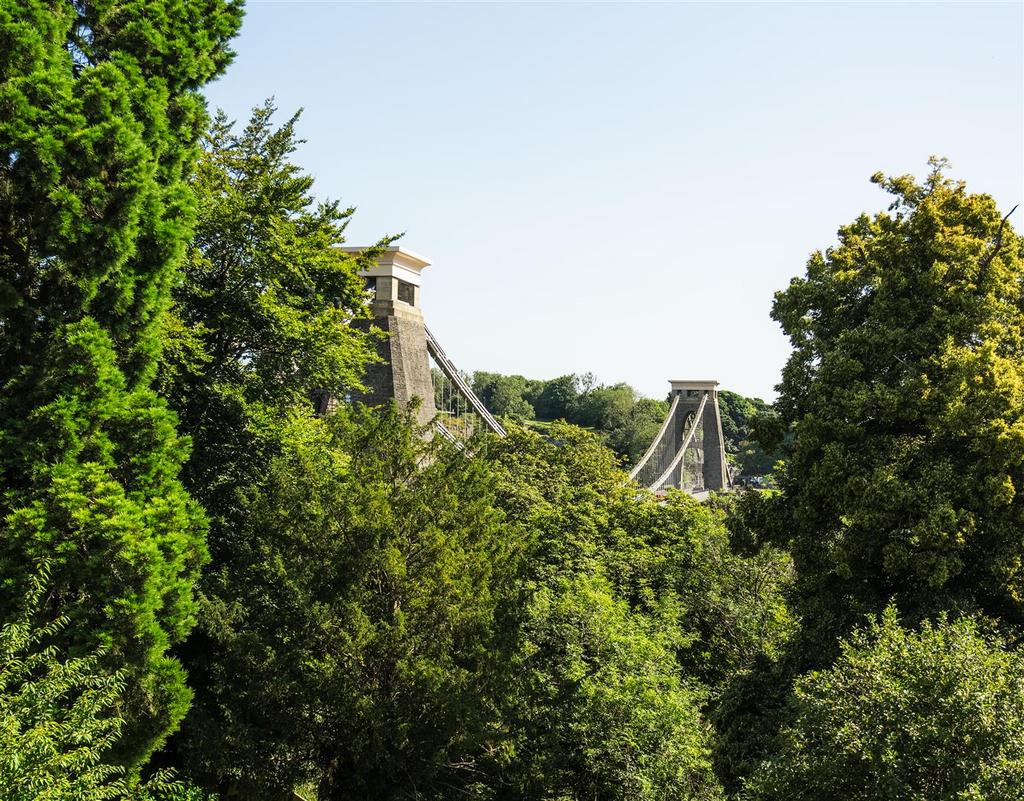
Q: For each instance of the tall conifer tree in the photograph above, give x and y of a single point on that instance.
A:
(99, 116)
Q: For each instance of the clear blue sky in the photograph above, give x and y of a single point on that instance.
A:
(621, 188)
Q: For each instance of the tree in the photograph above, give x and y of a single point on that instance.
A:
(604, 408)
(504, 395)
(936, 714)
(484, 384)
(100, 115)
(637, 429)
(741, 418)
(596, 707)
(260, 328)
(58, 719)
(658, 575)
(508, 400)
(592, 703)
(260, 322)
(348, 641)
(729, 607)
(905, 390)
(556, 400)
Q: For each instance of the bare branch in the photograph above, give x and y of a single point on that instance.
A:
(987, 260)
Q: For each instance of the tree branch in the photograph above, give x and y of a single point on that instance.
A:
(985, 262)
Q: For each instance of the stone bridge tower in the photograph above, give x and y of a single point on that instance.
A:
(716, 475)
(404, 373)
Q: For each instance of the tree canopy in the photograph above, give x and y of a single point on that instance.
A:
(282, 596)
(905, 391)
(100, 117)
(259, 326)
(933, 714)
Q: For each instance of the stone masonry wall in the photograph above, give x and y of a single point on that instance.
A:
(405, 371)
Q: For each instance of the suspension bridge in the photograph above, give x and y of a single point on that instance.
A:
(688, 453)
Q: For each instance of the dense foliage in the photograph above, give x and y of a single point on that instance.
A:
(399, 609)
(905, 398)
(99, 115)
(359, 602)
(613, 586)
(58, 720)
(261, 311)
(740, 419)
(627, 421)
(385, 615)
(260, 332)
(905, 391)
(934, 714)
(403, 627)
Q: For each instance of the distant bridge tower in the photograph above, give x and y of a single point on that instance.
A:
(716, 471)
(414, 364)
(689, 451)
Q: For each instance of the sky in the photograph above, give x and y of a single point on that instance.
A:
(621, 188)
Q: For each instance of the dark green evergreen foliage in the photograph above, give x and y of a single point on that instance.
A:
(350, 638)
(99, 115)
(934, 714)
(747, 715)
(906, 393)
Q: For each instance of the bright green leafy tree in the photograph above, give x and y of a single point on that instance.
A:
(611, 583)
(58, 720)
(905, 390)
(99, 116)
(260, 318)
(935, 715)
(595, 706)
(630, 434)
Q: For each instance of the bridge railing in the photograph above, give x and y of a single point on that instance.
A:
(698, 419)
(658, 444)
(675, 462)
(472, 402)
